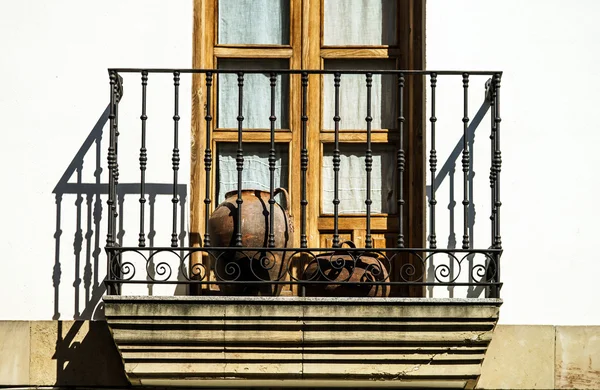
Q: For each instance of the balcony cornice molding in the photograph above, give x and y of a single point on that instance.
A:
(294, 341)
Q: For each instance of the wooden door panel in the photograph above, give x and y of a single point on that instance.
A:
(327, 238)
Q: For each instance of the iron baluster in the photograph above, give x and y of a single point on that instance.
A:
(175, 158)
(110, 238)
(432, 166)
(493, 274)
(369, 162)
(240, 159)
(143, 161)
(114, 267)
(492, 166)
(118, 273)
(466, 162)
(116, 159)
(272, 119)
(497, 160)
(336, 160)
(400, 161)
(304, 161)
(207, 157)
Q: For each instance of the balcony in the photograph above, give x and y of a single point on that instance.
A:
(257, 303)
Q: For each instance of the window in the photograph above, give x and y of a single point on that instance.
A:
(313, 34)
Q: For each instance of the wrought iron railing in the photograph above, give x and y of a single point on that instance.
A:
(341, 269)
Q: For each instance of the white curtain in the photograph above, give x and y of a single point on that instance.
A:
(352, 187)
(359, 22)
(254, 22)
(256, 173)
(256, 103)
(353, 95)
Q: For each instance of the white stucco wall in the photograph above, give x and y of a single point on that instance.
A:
(55, 91)
(548, 51)
(53, 98)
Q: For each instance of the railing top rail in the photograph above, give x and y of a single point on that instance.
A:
(290, 249)
(309, 71)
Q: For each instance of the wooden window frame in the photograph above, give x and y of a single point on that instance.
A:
(307, 52)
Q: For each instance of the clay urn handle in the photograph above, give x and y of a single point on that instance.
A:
(286, 196)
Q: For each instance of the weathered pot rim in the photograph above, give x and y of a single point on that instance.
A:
(233, 192)
(276, 191)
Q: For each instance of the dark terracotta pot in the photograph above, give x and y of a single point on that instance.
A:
(251, 265)
(352, 267)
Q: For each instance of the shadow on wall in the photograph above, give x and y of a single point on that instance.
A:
(87, 241)
(86, 355)
(448, 170)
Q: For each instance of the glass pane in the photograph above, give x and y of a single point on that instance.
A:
(265, 22)
(256, 173)
(359, 22)
(353, 95)
(257, 95)
(352, 183)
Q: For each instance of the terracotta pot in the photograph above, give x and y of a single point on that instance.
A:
(351, 267)
(269, 265)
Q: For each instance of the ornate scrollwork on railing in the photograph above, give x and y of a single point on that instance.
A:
(345, 271)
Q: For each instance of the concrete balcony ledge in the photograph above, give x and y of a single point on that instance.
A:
(294, 341)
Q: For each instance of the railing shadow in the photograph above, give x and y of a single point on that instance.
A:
(447, 171)
(88, 245)
(86, 355)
